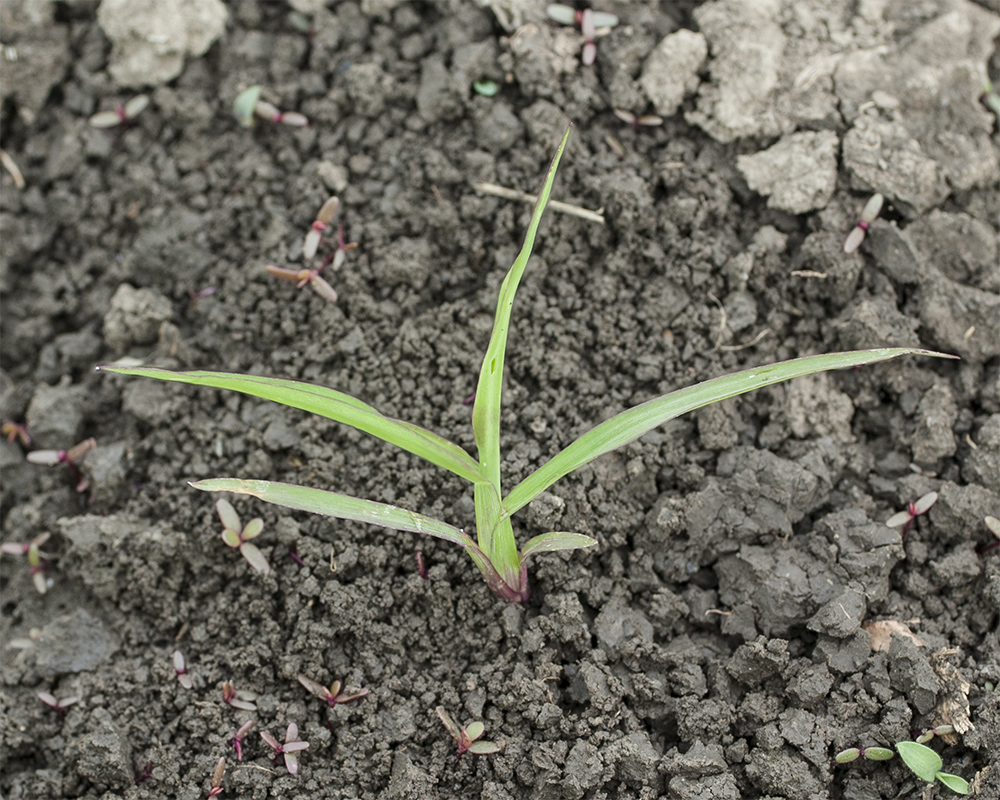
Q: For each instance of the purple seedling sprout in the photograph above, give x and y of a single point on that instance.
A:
(993, 526)
(142, 772)
(179, 667)
(332, 696)
(911, 512)
(240, 699)
(248, 106)
(123, 115)
(38, 562)
(70, 458)
(422, 567)
(295, 557)
(200, 294)
(467, 738)
(868, 215)
(239, 537)
(289, 748)
(217, 775)
(237, 740)
(14, 430)
(323, 219)
(591, 24)
(60, 706)
(638, 122)
(303, 276)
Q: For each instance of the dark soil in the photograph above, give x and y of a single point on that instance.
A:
(717, 643)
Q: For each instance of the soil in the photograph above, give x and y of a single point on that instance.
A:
(719, 641)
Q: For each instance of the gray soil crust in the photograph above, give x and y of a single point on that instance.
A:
(746, 614)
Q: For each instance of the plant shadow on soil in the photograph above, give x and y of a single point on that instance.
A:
(714, 645)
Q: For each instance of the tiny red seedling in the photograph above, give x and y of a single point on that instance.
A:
(241, 699)
(912, 511)
(645, 121)
(241, 734)
(467, 738)
(123, 115)
(591, 24)
(868, 215)
(332, 696)
(60, 706)
(13, 430)
(289, 749)
(217, 775)
(323, 219)
(195, 296)
(248, 106)
(142, 772)
(239, 537)
(71, 458)
(303, 276)
(182, 676)
(422, 567)
(38, 561)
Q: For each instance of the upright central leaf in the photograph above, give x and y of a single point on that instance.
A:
(486, 413)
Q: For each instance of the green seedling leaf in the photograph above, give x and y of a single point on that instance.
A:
(245, 104)
(557, 540)
(630, 425)
(848, 755)
(333, 405)
(956, 784)
(230, 519)
(878, 753)
(486, 748)
(255, 558)
(485, 88)
(922, 761)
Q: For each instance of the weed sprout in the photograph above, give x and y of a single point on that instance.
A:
(868, 215)
(179, 667)
(591, 24)
(14, 430)
(241, 735)
(637, 122)
(332, 696)
(71, 458)
(38, 561)
(289, 749)
(241, 699)
(217, 775)
(467, 738)
(248, 106)
(60, 706)
(911, 512)
(239, 537)
(926, 765)
(323, 219)
(870, 753)
(123, 115)
(485, 88)
(991, 98)
(303, 276)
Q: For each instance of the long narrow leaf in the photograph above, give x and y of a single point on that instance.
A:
(333, 405)
(342, 506)
(556, 540)
(630, 425)
(486, 412)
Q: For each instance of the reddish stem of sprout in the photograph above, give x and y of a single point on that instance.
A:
(421, 567)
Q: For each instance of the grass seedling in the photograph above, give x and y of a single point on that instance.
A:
(324, 217)
(71, 458)
(237, 740)
(911, 512)
(217, 775)
(870, 753)
(645, 121)
(467, 738)
(289, 748)
(868, 215)
(60, 706)
(494, 551)
(179, 667)
(235, 535)
(591, 24)
(303, 276)
(332, 696)
(13, 430)
(926, 765)
(123, 115)
(241, 699)
(248, 107)
(38, 562)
